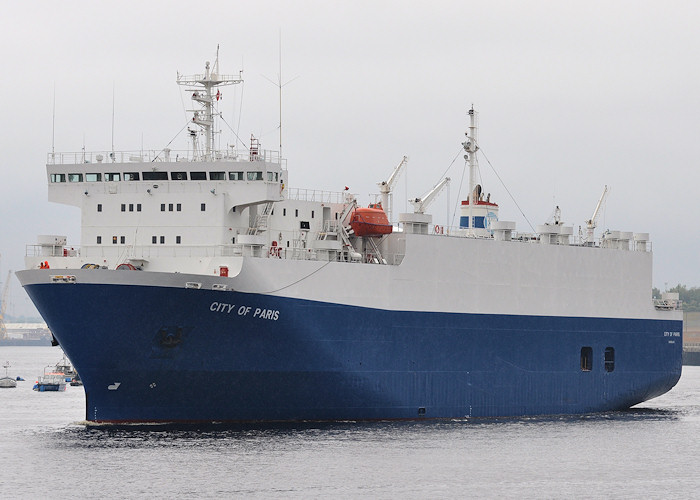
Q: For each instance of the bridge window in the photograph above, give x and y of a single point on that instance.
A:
(198, 176)
(112, 177)
(586, 359)
(93, 177)
(155, 176)
(255, 176)
(131, 176)
(270, 176)
(58, 177)
(75, 177)
(609, 359)
(217, 176)
(235, 176)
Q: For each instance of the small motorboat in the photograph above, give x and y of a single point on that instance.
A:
(66, 369)
(7, 382)
(52, 381)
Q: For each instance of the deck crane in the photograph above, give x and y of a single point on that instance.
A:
(591, 223)
(385, 187)
(420, 205)
(3, 306)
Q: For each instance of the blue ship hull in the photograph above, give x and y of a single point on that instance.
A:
(155, 354)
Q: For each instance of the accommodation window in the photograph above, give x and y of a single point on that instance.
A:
(123, 207)
(112, 176)
(75, 177)
(235, 176)
(296, 212)
(58, 177)
(93, 177)
(162, 207)
(131, 207)
(336, 216)
(170, 207)
(179, 207)
(312, 214)
(114, 240)
(138, 207)
(178, 239)
(586, 359)
(99, 207)
(609, 359)
(284, 212)
(178, 176)
(198, 176)
(131, 176)
(122, 239)
(203, 207)
(162, 240)
(154, 239)
(217, 176)
(99, 240)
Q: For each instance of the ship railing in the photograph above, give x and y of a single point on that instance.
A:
(51, 251)
(668, 304)
(317, 195)
(574, 240)
(163, 155)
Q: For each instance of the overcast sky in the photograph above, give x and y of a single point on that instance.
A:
(572, 96)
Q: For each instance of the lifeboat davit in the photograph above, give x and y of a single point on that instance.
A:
(370, 221)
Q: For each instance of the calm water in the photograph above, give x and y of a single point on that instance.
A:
(649, 452)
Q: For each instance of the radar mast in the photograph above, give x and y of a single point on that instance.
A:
(202, 86)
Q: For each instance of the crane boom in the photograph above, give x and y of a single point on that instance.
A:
(592, 222)
(420, 205)
(386, 186)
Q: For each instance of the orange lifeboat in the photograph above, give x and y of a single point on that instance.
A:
(370, 221)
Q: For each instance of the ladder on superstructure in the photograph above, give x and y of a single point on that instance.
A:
(261, 219)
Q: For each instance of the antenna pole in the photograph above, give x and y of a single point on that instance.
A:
(53, 123)
(280, 89)
(112, 121)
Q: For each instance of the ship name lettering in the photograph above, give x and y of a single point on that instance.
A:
(672, 334)
(271, 314)
(221, 307)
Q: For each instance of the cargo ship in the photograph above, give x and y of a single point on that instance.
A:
(206, 289)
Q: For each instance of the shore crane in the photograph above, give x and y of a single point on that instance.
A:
(591, 223)
(3, 305)
(420, 205)
(385, 187)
